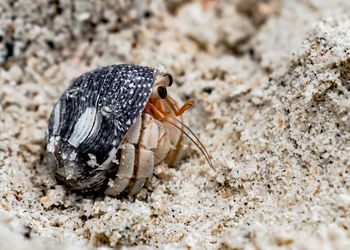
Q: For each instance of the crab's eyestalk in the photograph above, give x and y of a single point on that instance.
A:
(169, 80)
(164, 80)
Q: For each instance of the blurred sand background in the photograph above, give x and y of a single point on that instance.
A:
(272, 84)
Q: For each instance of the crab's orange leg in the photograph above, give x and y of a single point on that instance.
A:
(184, 107)
(173, 105)
(151, 107)
(160, 105)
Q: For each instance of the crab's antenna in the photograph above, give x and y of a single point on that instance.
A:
(196, 141)
(195, 136)
(169, 100)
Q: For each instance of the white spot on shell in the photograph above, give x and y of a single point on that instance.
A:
(92, 162)
(52, 143)
(69, 170)
(115, 160)
(83, 127)
(56, 120)
(106, 111)
(73, 156)
(64, 156)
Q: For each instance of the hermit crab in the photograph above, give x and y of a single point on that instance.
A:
(113, 125)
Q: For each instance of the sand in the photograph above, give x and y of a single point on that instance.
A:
(272, 85)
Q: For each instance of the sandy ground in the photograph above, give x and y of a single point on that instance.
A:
(272, 84)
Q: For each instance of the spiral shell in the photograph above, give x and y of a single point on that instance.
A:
(90, 120)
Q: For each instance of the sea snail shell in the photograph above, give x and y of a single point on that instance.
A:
(90, 120)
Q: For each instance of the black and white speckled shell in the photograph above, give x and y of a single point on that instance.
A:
(90, 120)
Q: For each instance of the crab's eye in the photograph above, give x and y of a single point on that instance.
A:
(159, 92)
(162, 92)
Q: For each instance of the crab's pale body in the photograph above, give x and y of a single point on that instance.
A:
(147, 143)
